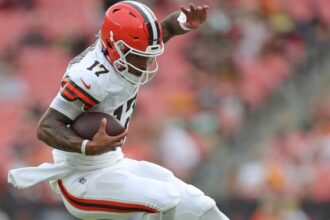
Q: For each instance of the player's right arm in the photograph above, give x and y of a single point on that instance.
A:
(53, 130)
(195, 17)
(80, 91)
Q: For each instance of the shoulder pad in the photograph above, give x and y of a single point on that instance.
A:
(83, 85)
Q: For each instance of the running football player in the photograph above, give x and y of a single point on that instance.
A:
(92, 176)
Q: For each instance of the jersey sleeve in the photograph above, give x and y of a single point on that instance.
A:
(70, 109)
(79, 92)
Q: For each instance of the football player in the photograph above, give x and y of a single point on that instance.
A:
(93, 178)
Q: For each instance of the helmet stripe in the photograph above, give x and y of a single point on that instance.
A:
(156, 24)
(149, 18)
(158, 32)
(153, 21)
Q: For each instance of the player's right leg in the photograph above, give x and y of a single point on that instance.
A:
(116, 193)
(193, 203)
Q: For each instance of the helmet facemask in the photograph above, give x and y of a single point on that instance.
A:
(123, 66)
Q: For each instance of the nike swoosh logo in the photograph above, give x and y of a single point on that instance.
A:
(88, 86)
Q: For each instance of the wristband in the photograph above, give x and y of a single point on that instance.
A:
(182, 18)
(83, 147)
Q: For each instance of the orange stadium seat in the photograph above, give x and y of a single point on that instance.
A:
(63, 17)
(323, 7)
(43, 69)
(10, 117)
(13, 25)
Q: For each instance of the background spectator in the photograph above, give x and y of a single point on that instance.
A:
(212, 88)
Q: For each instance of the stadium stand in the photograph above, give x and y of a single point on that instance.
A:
(214, 85)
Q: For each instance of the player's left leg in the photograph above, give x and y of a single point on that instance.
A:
(193, 203)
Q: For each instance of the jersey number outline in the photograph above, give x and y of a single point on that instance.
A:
(101, 66)
(118, 113)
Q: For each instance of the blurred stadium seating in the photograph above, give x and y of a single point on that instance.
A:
(245, 98)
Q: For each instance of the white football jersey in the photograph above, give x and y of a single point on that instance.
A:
(92, 84)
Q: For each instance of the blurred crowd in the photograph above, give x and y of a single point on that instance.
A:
(209, 82)
(295, 169)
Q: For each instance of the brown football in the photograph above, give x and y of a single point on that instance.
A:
(88, 123)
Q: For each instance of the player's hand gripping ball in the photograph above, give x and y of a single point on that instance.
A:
(88, 123)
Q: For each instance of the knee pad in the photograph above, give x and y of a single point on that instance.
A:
(193, 202)
(165, 198)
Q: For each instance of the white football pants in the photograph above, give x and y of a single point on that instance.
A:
(130, 188)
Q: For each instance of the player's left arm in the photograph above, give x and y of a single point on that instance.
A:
(195, 16)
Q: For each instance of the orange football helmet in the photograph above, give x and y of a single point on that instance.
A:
(130, 27)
